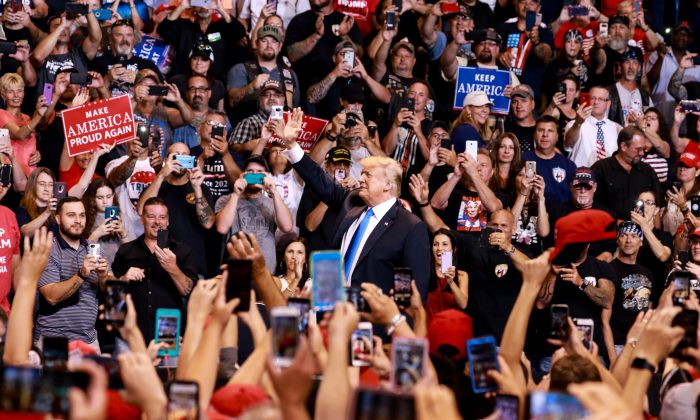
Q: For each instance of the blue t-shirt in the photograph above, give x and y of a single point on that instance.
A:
(557, 173)
(462, 133)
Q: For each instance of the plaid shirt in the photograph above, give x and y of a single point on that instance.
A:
(249, 129)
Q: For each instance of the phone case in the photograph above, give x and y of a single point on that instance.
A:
(163, 240)
(111, 212)
(284, 323)
(410, 356)
(328, 279)
(115, 302)
(254, 179)
(483, 357)
(471, 147)
(361, 343)
(60, 190)
(186, 162)
(168, 330)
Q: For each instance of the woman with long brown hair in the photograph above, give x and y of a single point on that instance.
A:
(37, 207)
(505, 153)
(473, 122)
(292, 275)
(109, 233)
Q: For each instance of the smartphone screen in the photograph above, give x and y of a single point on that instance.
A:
(168, 330)
(327, 273)
(354, 296)
(402, 286)
(559, 322)
(408, 356)
(361, 343)
(349, 58)
(55, 352)
(303, 306)
(507, 406)
(163, 240)
(553, 405)
(376, 404)
(585, 328)
(339, 174)
(603, 28)
(239, 283)
(681, 286)
(115, 302)
(445, 261)
(530, 18)
(6, 175)
(482, 358)
(285, 335)
(60, 190)
(683, 258)
(183, 400)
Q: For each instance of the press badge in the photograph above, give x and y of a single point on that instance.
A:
(216, 36)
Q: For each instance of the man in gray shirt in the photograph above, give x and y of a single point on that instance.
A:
(68, 285)
(247, 209)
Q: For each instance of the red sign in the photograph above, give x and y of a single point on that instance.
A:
(105, 121)
(311, 130)
(359, 9)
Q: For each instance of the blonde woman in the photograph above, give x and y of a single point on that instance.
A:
(472, 123)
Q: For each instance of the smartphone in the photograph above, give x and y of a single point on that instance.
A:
(339, 174)
(277, 113)
(304, 307)
(8, 47)
(530, 169)
(157, 90)
(695, 205)
(111, 367)
(272, 3)
(26, 389)
(559, 325)
(638, 207)
(156, 139)
(82, 79)
(603, 28)
(94, 250)
(683, 258)
(677, 185)
(349, 58)
(102, 14)
(696, 61)
(553, 405)
(508, 406)
(186, 162)
(183, 400)
(6, 175)
(585, 327)
(115, 302)
(690, 106)
(163, 240)
(327, 275)
(448, 8)
(402, 286)
(354, 296)
(111, 212)
(285, 334)
(60, 190)
(398, 4)
(681, 286)
(376, 404)
(688, 319)
(530, 17)
(218, 131)
(48, 92)
(446, 261)
(483, 357)
(637, 6)
(239, 283)
(143, 131)
(409, 357)
(361, 343)
(471, 147)
(578, 11)
(254, 178)
(446, 144)
(76, 9)
(168, 331)
(372, 130)
(484, 237)
(409, 104)
(201, 3)
(55, 352)
(584, 99)
(5, 137)
(390, 22)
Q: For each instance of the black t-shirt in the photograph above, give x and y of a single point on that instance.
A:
(105, 62)
(317, 63)
(465, 211)
(658, 269)
(322, 237)
(525, 135)
(52, 139)
(634, 288)
(612, 71)
(184, 223)
(218, 90)
(592, 271)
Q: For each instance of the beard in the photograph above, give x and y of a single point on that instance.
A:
(484, 57)
(69, 234)
(267, 56)
(320, 5)
(124, 48)
(617, 43)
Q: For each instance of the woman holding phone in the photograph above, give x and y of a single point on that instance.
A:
(505, 151)
(292, 275)
(109, 233)
(680, 193)
(529, 212)
(449, 287)
(37, 207)
(473, 121)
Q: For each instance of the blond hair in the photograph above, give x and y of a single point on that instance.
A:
(10, 80)
(392, 169)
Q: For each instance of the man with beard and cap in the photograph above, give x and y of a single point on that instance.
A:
(626, 96)
(189, 203)
(245, 80)
(250, 135)
(157, 277)
(68, 285)
(56, 50)
(223, 35)
(399, 77)
(312, 37)
(487, 44)
(197, 95)
(247, 209)
(120, 65)
(607, 53)
(201, 60)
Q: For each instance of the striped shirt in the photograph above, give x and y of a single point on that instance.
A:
(75, 316)
(658, 164)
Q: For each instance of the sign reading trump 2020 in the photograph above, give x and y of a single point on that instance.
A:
(105, 121)
(491, 82)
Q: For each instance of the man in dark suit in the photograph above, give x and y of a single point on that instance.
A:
(375, 233)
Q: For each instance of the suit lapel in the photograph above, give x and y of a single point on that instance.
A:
(378, 231)
(345, 224)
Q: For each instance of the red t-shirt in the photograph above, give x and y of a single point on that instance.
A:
(9, 247)
(72, 175)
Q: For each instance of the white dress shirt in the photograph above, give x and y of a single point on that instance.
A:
(584, 151)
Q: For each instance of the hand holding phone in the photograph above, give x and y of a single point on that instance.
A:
(239, 283)
(168, 331)
(483, 357)
(402, 286)
(409, 356)
(285, 334)
(559, 325)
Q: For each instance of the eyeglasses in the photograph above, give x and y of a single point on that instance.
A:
(215, 123)
(197, 89)
(649, 202)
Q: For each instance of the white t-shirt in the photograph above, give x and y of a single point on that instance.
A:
(286, 9)
(290, 190)
(129, 193)
(584, 151)
(630, 100)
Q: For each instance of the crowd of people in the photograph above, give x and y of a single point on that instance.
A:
(538, 259)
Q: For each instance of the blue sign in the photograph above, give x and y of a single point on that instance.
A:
(492, 82)
(154, 49)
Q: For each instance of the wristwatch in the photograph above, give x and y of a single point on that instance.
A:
(80, 274)
(641, 363)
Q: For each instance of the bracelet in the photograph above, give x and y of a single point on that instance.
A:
(398, 318)
(85, 278)
(521, 193)
(641, 363)
(426, 204)
(684, 209)
(331, 137)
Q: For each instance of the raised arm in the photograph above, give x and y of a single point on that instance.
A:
(301, 49)
(92, 43)
(121, 173)
(283, 217)
(488, 198)
(86, 178)
(44, 48)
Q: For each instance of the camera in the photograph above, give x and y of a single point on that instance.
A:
(351, 120)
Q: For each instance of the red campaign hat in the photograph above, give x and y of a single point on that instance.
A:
(583, 226)
(234, 399)
(689, 159)
(695, 233)
(451, 327)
